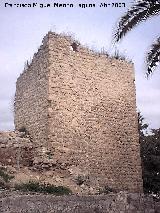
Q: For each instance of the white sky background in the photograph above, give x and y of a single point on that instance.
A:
(22, 30)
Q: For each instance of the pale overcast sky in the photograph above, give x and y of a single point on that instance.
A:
(22, 30)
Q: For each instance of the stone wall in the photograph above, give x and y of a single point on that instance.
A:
(31, 97)
(122, 202)
(92, 115)
(81, 107)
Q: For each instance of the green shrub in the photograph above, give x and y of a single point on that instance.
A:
(57, 190)
(106, 190)
(6, 177)
(30, 186)
(34, 186)
(81, 179)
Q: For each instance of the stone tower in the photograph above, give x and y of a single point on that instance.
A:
(81, 106)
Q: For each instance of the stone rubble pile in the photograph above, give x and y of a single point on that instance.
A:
(16, 149)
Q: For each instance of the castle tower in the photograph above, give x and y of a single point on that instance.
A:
(81, 105)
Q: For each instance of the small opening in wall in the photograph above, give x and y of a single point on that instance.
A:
(49, 103)
(74, 47)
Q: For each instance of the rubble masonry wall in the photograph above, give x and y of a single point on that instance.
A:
(31, 105)
(92, 115)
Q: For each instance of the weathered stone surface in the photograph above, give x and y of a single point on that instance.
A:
(116, 203)
(16, 149)
(79, 108)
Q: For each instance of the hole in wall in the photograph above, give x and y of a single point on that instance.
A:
(49, 103)
(74, 46)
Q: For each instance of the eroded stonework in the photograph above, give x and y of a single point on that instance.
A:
(120, 202)
(79, 108)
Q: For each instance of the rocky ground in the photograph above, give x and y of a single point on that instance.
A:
(20, 164)
(19, 159)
